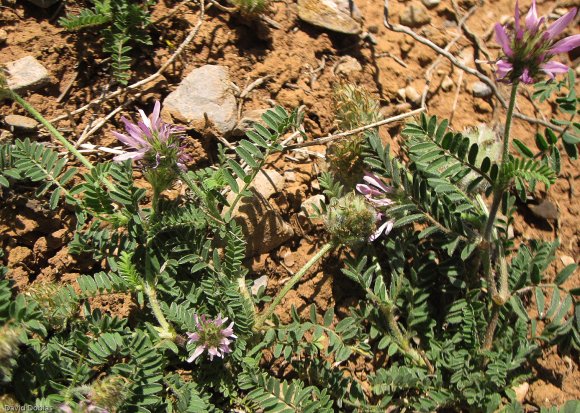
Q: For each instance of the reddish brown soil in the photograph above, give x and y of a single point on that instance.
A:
(301, 60)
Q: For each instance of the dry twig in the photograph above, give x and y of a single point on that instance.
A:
(330, 138)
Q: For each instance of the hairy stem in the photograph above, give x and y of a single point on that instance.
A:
(290, 284)
(490, 330)
(499, 191)
(500, 297)
(53, 131)
(166, 330)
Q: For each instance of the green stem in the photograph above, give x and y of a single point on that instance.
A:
(53, 131)
(290, 284)
(166, 329)
(508, 123)
(499, 298)
(499, 191)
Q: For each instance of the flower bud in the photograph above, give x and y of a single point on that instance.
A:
(109, 393)
(350, 219)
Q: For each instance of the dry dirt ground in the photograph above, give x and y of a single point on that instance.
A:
(304, 63)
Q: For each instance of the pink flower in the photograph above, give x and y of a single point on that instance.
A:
(385, 228)
(375, 191)
(152, 139)
(211, 336)
(530, 48)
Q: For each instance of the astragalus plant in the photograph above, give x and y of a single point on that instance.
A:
(439, 289)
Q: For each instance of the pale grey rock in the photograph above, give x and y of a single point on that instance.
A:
(347, 65)
(415, 15)
(259, 283)
(290, 176)
(545, 210)
(268, 182)
(334, 15)
(18, 123)
(430, 3)
(480, 90)
(567, 260)
(26, 74)
(412, 95)
(310, 204)
(264, 229)
(205, 91)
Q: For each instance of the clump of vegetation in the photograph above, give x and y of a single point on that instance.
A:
(123, 25)
(439, 288)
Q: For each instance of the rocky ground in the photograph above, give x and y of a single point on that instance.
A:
(233, 70)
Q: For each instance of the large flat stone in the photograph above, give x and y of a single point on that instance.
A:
(335, 15)
(205, 91)
(26, 74)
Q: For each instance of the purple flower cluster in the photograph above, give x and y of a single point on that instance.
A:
(211, 336)
(154, 141)
(530, 47)
(376, 192)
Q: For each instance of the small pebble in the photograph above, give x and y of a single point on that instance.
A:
(373, 29)
(26, 74)
(546, 210)
(290, 176)
(20, 123)
(347, 65)
(567, 260)
(480, 90)
(447, 84)
(3, 36)
(415, 15)
(6, 136)
(412, 95)
(258, 283)
(431, 3)
(402, 93)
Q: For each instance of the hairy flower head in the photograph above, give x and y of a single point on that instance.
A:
(211, 336)
(109, 393)
(530, 46)
(351, 220)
